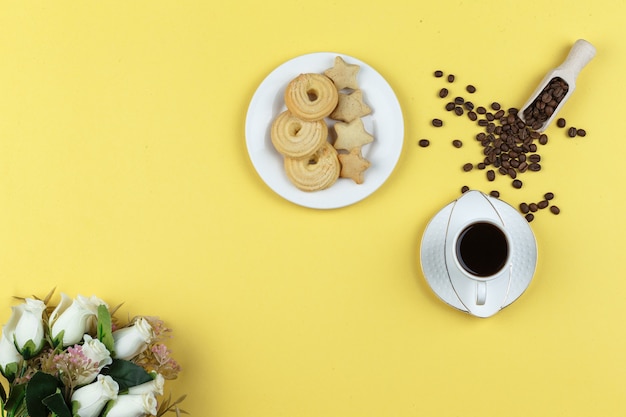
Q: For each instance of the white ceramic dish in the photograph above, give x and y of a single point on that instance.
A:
(385, 123)
(446, 277)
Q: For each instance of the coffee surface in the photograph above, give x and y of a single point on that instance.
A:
(482, 249)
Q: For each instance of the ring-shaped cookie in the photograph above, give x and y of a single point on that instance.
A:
(297, 138)
(311, 96)
(315, 173)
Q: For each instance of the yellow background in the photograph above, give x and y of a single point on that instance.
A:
(124, 174)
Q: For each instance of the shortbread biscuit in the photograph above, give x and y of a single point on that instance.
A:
(297, 138)
(311, 96)
(350, 106)
(353, 165)
(344, 75)
(351, 135)
(318, 172)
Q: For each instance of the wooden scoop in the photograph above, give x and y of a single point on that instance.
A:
(556, 87)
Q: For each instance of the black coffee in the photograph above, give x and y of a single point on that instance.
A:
(482, 249)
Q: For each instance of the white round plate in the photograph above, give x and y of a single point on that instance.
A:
(385, 123)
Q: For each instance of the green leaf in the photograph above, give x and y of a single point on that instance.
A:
(40, 386)
(30, 349)
(57, 405)
(126, 374)
(3, 394)
(105, 331)
(16, 396)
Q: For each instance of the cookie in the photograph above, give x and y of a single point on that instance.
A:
(297, 138)
(343, 74)
(350, 106)
(315, 173)
(353, 165)
(351, 135)
(311, 96)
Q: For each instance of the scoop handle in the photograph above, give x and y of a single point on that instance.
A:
(581, 53)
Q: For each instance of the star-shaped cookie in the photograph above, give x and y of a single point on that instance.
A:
(351, 135)
(353, 165)
(343, 74)
(350, 106)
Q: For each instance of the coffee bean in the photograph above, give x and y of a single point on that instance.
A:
(468, 105)
(470, 89)
(544, 104)
(533, 207)
(530, 217)
(468, 167)
(451, 78)
(438, 74)
(491, 175)
(555, 210)
(572, 132)
(443, 92)
(534, 167)
(517, 184)
(424, 143)
(450, 106)
(437, 122)
(543, 204)
(481, 165)
(581, 132)
(458, 110)
(495, 193)
(495, 106)
(472, 116)
(459, 100)
(534, 158)
(464, 189)
(561, 122)
(457, 143)
(524, 208)
(548, 196)
(543, 139)
(481, 110)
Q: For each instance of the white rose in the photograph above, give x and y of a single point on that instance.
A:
(132, 405)
(131, 341)
(97, 353)
(25, 327)
(155, 386)
(74, 318)
(89, 400)
(8, 355)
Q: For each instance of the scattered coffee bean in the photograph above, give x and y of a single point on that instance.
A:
(530, 217)
(555, 210)
(495, 106)
(470, 89)
(543, 204)
(459, 100)
(458, 110)
(572, 132)
(491, 175)
(457, 143)
(451, 78)
(468, 167)
(468, 105)
(517, 184)
(533, 207)
(481, 165)
(438, 74)
(495, 193)
(543, 139)
(548, 196)
(472, 116)
(523, 207)
(481, 110)
(464, 189)
(424, 143)
(450, 106)
(581, 132)
(437, 122)
(443, 92)
(561, 122)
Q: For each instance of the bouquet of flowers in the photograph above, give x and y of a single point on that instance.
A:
(76, 360)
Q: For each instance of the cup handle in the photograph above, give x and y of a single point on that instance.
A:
(481, 293)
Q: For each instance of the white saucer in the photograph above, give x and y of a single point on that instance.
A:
(441, 273)
(385, 123)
